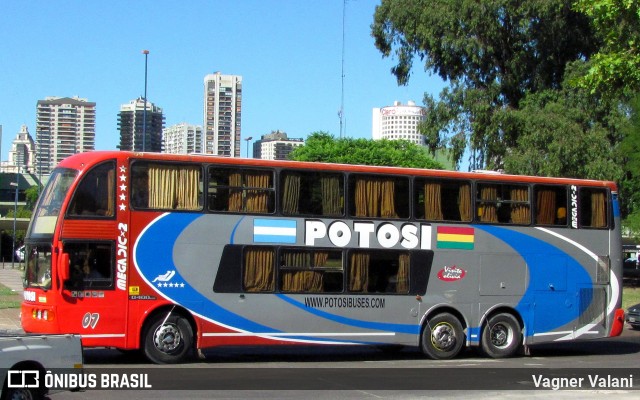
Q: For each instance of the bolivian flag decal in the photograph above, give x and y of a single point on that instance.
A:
(453, 237)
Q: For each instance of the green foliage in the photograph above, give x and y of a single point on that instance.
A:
(615, 68)
(565, 132)
(32, 196)
(492, 53)
(322, 147)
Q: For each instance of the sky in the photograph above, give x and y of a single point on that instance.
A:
(288, 52)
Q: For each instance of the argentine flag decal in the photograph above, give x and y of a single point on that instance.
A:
(274, 230)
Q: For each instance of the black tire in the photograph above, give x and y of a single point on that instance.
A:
(170, 341)
(442, 337)
(501, 336)
(22, 394)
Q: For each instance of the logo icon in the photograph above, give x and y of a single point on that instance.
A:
(164, 277)
(23, 379)
(450, 274)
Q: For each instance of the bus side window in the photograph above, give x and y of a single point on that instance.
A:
(95, 195)
(258, 274)
(443, 200)
(91, 265)
(379, 272)
(312, 193)
(240, 190)
(593, 208)
(551, 205)
(379, 196)
(503, 204)
(310, 271)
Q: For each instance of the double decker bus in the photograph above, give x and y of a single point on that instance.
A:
(176, 253)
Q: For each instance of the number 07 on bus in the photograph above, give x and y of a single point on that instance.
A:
(173, 254)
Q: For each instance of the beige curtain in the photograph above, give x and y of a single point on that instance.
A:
(375, 197)
(162, 186)
(188, 188)
(174, 187)
(235, 192)
(331, 198)
(402, 285)
(546, 207)
(359, 272)
(598, 209)
(305, 280)
(433, 201)
(291, 194)
(519, 211)
(258, 270)
(257, 199)
(464, 202)
(488, 208)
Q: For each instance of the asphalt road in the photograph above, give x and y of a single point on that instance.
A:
(338, 372)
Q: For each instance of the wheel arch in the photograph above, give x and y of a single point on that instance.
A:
(502, 309)
(441, 310)
(165, 309)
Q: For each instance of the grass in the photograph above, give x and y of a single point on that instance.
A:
(630, 296)
(9, 298)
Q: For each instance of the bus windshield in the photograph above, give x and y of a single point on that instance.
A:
(47, 211)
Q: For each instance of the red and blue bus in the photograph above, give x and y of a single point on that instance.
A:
(177, 253)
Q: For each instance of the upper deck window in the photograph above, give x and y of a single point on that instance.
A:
(503, 203)
(312, 193)
(240, 190)
(379, 196)
(95, 195)
(166, 186)
(443, 200)
(593, 208)
(551, 205)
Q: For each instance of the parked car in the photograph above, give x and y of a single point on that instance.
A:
(633, 316)
(20, 254)
(631, 268)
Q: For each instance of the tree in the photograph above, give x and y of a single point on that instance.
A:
(32, 196)
(492, 54)
(322, 147)
(615, 68)
(562, 133)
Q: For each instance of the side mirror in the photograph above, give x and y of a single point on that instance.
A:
(63, 267)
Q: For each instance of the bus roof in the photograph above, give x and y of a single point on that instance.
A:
(81, 160)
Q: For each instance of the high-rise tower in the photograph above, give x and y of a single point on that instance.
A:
(64, 126)
(130, 122)
(222, 114)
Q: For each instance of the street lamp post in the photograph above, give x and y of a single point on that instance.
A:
(247, 140)
(15, 213)
(144, 115)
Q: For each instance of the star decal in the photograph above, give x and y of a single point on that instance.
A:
(123, 178)
(123, 169)
(123, 188)
(123, 207)
(123, 197)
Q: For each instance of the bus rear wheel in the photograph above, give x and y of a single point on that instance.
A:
(442, 337)
(501, 336)
(168, 340)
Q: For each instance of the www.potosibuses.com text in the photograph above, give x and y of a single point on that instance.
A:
(344, 302)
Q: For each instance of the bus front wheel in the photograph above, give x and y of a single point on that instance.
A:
(168, 340)
(442, 337)
(501, 336)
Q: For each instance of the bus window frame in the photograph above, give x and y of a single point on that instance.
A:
(534, 211)
(68, 215)
(272, 201)
(147, 162)
(477, 203)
